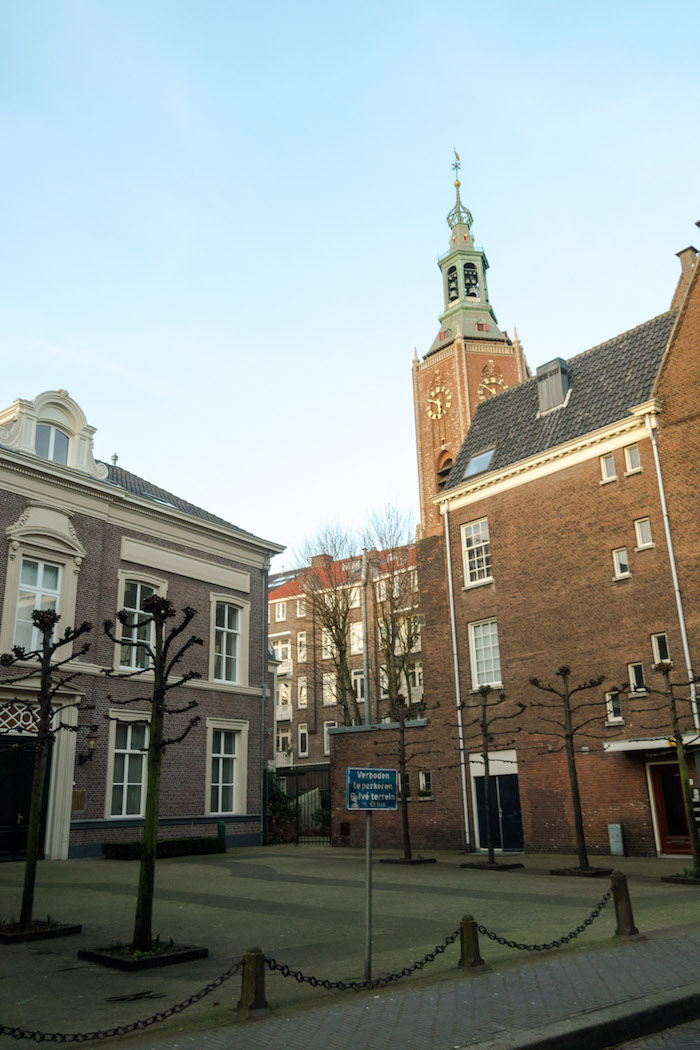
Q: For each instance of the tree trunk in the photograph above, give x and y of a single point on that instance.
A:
(573, 781)
(487, 788)
(143, 919)
(38, 781)
(405, 828)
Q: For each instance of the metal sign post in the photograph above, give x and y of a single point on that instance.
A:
(370, 789)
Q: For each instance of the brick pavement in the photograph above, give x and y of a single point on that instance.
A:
(304, 907)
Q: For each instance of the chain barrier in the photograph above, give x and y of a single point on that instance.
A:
(357, 986)
(551, 944)
(301, 978)
(124, 1029)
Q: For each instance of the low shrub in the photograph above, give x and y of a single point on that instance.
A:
(165, 848)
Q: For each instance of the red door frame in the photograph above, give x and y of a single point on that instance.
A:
(670, 842)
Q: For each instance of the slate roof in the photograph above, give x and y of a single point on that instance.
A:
(604, 382)
(123, 479)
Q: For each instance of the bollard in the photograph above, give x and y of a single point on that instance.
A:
(221, 833)
(469, 943)
(252, 1000)
(623, 906)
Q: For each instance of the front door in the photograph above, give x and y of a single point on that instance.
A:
(16, 770)
(506, 820)
(670, 813)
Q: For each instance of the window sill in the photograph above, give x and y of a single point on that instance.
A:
(606, 481)
(477, 583)
(637, 692)
(615, 721)
(644, 547)
(629, 473)
(622, 576)
(489, 685)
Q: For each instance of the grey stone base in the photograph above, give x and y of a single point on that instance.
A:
(38, 931)
(120, 958)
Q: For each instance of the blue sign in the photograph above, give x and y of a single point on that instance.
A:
(371, 789)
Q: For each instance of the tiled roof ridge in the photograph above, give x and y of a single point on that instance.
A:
(621, 335)
(157, 492)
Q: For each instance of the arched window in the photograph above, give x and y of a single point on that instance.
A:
(444, 466)
(51, 443)
(471, 281)
(452, 289)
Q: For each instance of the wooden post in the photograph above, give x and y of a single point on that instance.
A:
(252, 1000)
(469, 943)
(623, 906)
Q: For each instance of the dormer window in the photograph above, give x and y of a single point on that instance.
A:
(51, 443)
(479, 463)
(471, 281)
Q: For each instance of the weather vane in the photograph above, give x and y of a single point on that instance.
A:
(457, 165)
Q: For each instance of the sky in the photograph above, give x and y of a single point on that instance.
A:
(221, 220)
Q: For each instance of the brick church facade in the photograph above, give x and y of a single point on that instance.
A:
(559, 527)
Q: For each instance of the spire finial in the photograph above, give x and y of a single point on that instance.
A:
(459, 214)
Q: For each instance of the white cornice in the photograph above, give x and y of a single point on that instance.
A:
(65, 490)
(579, 449)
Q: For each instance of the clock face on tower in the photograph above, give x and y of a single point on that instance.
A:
(491, 385)
(439, 401)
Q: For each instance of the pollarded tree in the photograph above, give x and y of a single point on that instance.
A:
(569, 719)
(676, 710)
(158, 655)
(489, 710)
(51, 680)
(331, 578)
(389, 536)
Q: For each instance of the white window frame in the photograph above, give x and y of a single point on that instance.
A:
(281, 646)
(242, 668)
(53, 430)
(240, 783)
(303, 740)
(642, 526)
(613, 718)
(630, 468)
(620, 557)
(327, 646)
(124, 576)
(41, 593)
(476, 558)
(383, 683)
(301, 647)
(635, 686)
(280, 611)
(286, 732)
(655, 648)
(326, 737)
(354, 600)
(329, 689)
(222, 634)
(474, 654)
(301, 607)
(43, 534)
(358, 685)
(425, 783)
(607, 468)
(116, 716)
(302, 693)
(357, 641)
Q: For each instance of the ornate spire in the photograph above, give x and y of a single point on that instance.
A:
(459, 214)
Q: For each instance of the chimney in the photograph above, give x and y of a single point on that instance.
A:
(321, 559)
(687, 258)
(552, 384)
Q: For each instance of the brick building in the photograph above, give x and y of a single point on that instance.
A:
(89, 538)
(307, 704)
(564, 532)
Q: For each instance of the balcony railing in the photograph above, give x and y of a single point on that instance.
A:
(283, 712)
(284, 758)
(285, 669)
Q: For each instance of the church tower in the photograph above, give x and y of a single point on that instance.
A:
(470, 360)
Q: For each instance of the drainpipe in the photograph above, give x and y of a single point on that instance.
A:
(455, 662)
(651, 428)
(263, 731)
(365, 646)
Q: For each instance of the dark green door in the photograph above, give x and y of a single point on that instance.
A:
(506, 820)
